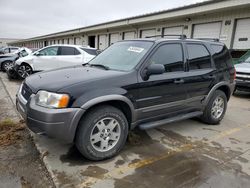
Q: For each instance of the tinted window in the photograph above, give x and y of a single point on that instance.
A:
(169, 55)
(51, 51)
(90, 51)
(221, 56)
(69, 51)
(199, 57)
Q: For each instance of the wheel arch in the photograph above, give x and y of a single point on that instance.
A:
(117, 101)
(223, 86)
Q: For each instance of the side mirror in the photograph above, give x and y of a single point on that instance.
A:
(154, 69)
(37, 54)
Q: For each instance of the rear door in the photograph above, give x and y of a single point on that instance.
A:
(164, 94)
(201, 74)
(69, 56)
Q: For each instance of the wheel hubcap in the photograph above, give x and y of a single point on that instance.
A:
(24, 71)
(8, 65)
(105, 134)
(218, 107)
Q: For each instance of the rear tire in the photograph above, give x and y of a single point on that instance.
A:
(102, 133)
(215, 109)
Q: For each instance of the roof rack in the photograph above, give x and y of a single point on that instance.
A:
(209, 39)
(179, 36)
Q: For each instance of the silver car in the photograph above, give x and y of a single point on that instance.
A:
(7, 60)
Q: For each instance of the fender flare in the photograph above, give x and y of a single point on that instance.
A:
(215, 87)
(107, 98)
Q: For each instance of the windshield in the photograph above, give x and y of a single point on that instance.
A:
(248, 60)
(122, 56)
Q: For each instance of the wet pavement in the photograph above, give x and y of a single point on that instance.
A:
(183, 154)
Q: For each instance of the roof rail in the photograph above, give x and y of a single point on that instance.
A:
(209, 39)
(179, 36)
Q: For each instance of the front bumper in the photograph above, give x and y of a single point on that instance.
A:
(56, 123)
(243, 85)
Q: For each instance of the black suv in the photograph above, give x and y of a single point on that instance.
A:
(143, 82)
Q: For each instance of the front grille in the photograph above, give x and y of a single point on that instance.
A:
(243, 76)
(26, 91)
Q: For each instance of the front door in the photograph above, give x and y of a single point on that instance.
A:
(164, 94)
(46, 59)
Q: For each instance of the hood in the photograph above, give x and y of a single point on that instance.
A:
(55, 80)
(243, 67)
(27, 58)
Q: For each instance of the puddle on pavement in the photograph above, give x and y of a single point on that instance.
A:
(203, 165)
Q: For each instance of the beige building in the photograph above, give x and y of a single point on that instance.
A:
(4, 41)
(226, 20)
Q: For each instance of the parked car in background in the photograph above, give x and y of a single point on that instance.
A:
(9, 49)
(145, 83)
(7, 60)
(53, 57)
(243, 75)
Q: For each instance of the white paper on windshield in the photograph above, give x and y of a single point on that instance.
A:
(135, 49)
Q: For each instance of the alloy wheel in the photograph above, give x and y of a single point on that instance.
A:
(105, 134)
(24, 71)
(218, 107)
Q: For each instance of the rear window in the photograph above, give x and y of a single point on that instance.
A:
(90, 51)
(198, 57)
(222, 58)
(69, 51)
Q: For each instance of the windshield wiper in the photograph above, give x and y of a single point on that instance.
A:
(99, 65)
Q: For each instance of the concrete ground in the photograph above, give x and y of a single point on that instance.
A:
(183, 154)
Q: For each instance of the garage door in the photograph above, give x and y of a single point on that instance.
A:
(208, 30)
(102, 42)
(147, 33)
(129, 35)
(242, 34)
(173, 30)
(114, 37)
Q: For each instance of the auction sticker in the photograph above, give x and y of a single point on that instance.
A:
(135, 49)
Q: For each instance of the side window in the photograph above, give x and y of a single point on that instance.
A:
(77, 52)
(51, 51)
(198, 57)
(67, 51)
(169, 55)
(13, 49)
(90, 51)
(6, 50)
(221, 56)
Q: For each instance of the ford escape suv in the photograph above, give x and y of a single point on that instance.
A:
(143, 82)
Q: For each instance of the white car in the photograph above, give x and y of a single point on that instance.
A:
(53, 57)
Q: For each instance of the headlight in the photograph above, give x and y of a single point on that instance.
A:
(52, 100)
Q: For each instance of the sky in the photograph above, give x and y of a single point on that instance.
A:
(29, 18)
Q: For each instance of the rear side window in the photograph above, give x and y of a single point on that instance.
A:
(169, 55)
(69, 51)
(90, 51)
(221, 56)
(198, 57)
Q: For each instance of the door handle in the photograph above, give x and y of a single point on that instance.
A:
(179, 81)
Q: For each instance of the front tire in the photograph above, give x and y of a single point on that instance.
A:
(24, 70)
(215, 109)
(102, 133)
